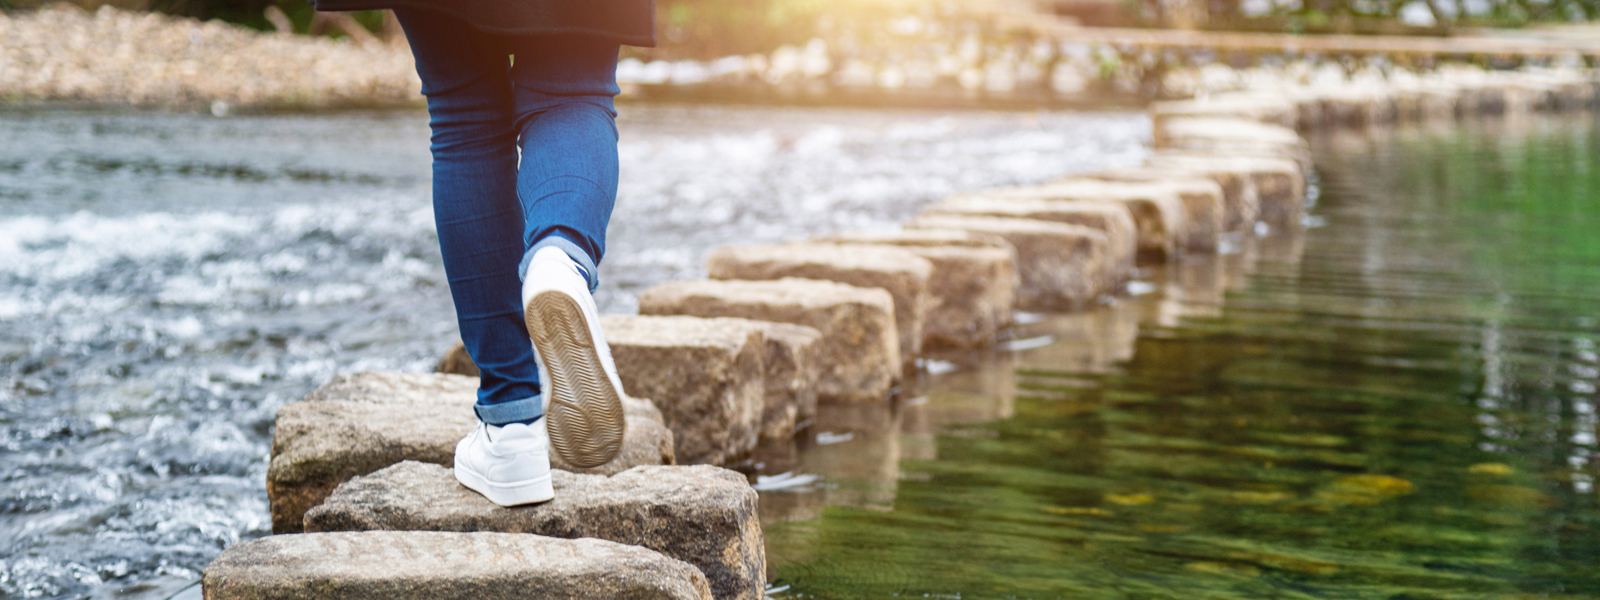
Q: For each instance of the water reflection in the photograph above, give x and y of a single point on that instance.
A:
(1397, 402)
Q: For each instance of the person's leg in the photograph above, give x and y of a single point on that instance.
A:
(563, 88)
(480, 222)
(567, 182)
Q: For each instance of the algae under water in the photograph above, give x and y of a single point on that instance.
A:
(1397, 402)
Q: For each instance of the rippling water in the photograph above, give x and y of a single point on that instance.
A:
(168, 281)
(1399, 402)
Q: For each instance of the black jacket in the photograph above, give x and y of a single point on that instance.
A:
(629, 22)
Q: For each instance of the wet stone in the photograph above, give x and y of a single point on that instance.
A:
(902, 273)
(789, 372)
(707, 375)
(1204, 201)
(858, 352)
(703, 515)
(1060, 266)
(357, 424)
(971, 290)
(1279, 183)
(1111, 219)
(423, 565)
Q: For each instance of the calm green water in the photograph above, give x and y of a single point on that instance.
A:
(1398, 402)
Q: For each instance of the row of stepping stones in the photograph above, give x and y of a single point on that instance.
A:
(716, 366)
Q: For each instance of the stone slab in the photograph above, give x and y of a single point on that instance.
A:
(859, 351)
(1262, 108)
(1279, 184)
(1204, 201)
(703, 515)
(902, 273)
(707, 377)
(1111, 219)
(1231, 135)
(972, 288)
(1060, 266)
(425, 565)
(1159, 218)
(359, 423)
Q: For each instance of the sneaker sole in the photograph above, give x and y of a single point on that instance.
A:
(515, 494)
(585, 410)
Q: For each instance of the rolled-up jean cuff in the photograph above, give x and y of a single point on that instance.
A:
(515, 411)
(567, 246)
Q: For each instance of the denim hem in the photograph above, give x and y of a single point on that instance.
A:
(515, 411)
(567, 246)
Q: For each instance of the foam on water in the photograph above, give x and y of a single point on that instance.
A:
(168, 281)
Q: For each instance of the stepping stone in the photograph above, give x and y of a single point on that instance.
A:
(1261, 108)
(1204, 201)
(357, 424)
(703, 515)
(902, 273)
(708, 374)
(859, 351)
(1158, 214)
(789, 380)
(1060, 266)
(971, 290)
(425, 565)
(1110, 219)
(1231, 135)
(1279, 183)
(1241, 203)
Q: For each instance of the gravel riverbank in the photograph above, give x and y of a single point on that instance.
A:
(114, 58)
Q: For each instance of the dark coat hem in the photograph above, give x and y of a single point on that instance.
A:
(626, 39)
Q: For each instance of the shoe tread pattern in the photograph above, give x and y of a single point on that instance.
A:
(585, 411)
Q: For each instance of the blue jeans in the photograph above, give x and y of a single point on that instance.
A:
(553, 101)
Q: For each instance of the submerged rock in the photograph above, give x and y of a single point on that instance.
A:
(971, 290)
(707, 374)
(903, 274)
(702, 515)
(357, 424)
(1061, 266)
(425, 565)
(859, 351)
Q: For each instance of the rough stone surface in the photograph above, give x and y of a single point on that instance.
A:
(427, 565)
(1113, 220)
(1204, 201)
(790, 370)
(1231, 135)
(859, 352)
(903, 274)
(973, 286)
(1061, 266)
(1279, 183)
(457, 361)
(357, 424)
(703, 515)
(1241, 204)
(1158, 214)
(707, 375)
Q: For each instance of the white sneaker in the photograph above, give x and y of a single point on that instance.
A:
(583, 396)
(509, 465)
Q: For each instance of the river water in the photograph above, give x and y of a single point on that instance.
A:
(1397, 403)
(168, 281)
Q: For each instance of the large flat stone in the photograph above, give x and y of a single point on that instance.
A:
(425, 565)
(1204, 201)
(1060, 266)
(1223, 135)
(1279, 183)
(902, 273)
(702, 515)
(1262, 108)
(357, 424)
(1159, 218)
(859, 352)
(707, 377)
(1111, 219)
(792, 364)
(973, 286)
